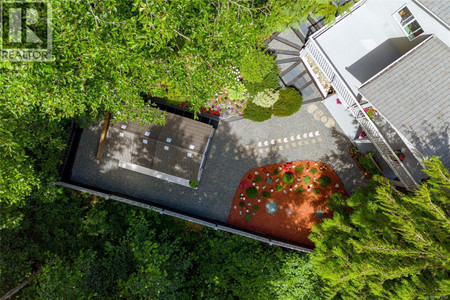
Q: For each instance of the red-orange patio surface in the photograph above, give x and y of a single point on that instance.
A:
(264, 203)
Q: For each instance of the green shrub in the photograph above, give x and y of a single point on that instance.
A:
(300, 190)
(252, 192)
(313, 171)
(248, 217)
(241, 203)
(255, 207)
(271, 81)
(299, 169)
(193, 184)
(266, 98)
(257, 113)
(256, 65)
(289, 102)
(279, 187)
(237, 91)
(276, 172)
(258, 178)
(324, 181)
(368, 164)
(266, 194)
(316, 191)
(288, 178)
(306, 179)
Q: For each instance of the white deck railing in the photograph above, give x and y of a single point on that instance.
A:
(352, 104)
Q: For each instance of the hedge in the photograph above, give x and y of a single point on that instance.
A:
(289, 102)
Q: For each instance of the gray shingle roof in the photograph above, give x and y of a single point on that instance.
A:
(440, 8)
(176, 148)
(414, 96)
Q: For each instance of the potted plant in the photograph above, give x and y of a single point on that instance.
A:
(400, 156)
(193, 184)
(370, 112)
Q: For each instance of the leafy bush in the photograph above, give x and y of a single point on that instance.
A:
(193, 184)
(266, 98)
(314, 171)
(368, 164)
(252, 192)
(241, 203)
(237, 91)
(279, 187)
(324, 181)
(299, 190)
(316, 191)
(256, 65)
(306, 179)
(299, 169)
(255, 207)
(289, 102)
(271, 81)
(248, 217)
(258, 178)
(288, 178)
(257, 113)
(276, 172)
(266, 194)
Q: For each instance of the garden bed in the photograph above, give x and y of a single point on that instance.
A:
(285, 200)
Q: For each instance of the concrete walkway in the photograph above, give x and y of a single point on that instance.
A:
(310, 134)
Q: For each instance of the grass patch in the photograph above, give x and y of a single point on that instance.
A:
(279, 187)
(300, 190)
(313, 171)
(266, 194)
(299, 169)
(306, 179)
(258, 178)
(276, 172)
(316, 191)
(248, 217)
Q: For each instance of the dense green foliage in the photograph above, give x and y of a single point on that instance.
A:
(324, 181)
(266, 98)
(251, 192)
(256, 65)
(271, 81)
(257, 113)
(288, 178)
(366, 161)
(289, 102)
(388, 245)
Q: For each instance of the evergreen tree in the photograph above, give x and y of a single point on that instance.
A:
(382, 243)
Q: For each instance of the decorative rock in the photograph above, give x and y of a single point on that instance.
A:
(254, 214)
(249, 204)
(243, 198)
(264, 187)
(235, 207)
(288, 211)
(307, 170)
(278, 179)
(280, 168)
(298, 179)
(259, 200)
(254, 183)
(271, 190)
(267, 174)
(240, 212)
(315, 164)
(314, 179)
(309, 190)
(257, 187)
(295, 186)
(256, 173)
(337, 185)
(290, 189)
(284, 192)
(247, 210)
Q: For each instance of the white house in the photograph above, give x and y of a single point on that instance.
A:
(388, 64)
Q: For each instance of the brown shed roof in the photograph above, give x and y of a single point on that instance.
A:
(176, 148)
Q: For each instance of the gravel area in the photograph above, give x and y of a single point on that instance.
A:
(237, 146)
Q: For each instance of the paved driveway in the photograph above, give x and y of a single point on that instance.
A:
(310, 134)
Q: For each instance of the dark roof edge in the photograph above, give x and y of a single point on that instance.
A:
(424, 7)
(395, 62)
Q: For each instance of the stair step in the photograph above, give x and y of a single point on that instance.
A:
(289, 43)
(296, 78)
(288, 60)
(290, 68)
(287, 52)
(299, 34)
(317, 99)
(305, 85)
(314, 23)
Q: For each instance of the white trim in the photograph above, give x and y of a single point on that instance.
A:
(418, 3)
(412, 19)
(395, 62)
